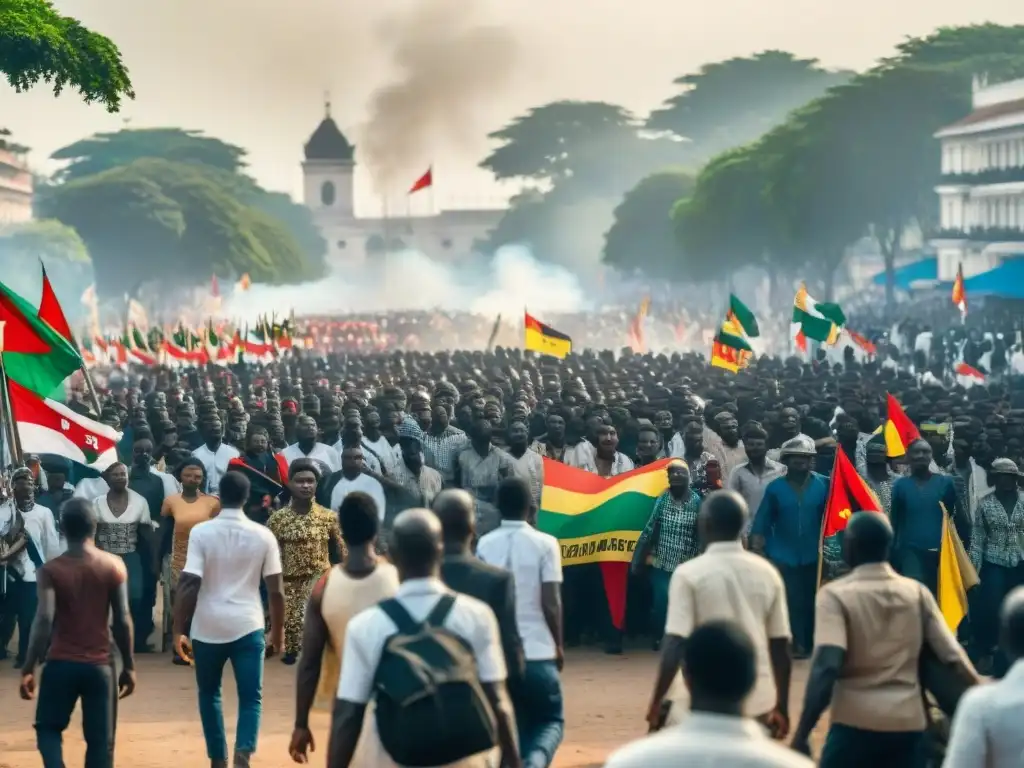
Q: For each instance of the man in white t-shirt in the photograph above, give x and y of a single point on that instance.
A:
(728, 583)
(535, 561)
(417, 551)
(308, 447)
(219, 596)
(352, 478)
(214, 453)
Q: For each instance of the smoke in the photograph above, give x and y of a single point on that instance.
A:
(448, 65)
(511, 281)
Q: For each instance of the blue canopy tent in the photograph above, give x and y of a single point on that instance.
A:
(921, 271)
(1005, 281)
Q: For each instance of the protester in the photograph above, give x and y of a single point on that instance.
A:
(218, 617)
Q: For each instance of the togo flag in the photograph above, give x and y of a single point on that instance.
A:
(46, 426)
(599, 519)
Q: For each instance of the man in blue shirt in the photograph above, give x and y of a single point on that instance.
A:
(917, 512)
(787, 530)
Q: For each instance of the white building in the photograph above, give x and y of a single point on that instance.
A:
(329, 192)
(15, 183)
(981, 197)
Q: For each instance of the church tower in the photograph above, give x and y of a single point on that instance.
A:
(328, 173)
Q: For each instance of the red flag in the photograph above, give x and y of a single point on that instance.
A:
(863, 342)
(959, 292)
(214, 287)
(424, 181)
(899, 430)
(50, 311)
(963, 369)
(847, 494)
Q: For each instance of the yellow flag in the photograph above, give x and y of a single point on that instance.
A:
(952, 590)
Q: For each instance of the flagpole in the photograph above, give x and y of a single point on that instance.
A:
(821, 535)
(13, 438)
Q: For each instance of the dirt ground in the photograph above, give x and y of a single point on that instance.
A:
(605, 702)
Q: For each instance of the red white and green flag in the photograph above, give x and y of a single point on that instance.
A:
(46, 426)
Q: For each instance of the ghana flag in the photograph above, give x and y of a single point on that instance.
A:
(545, 339)
(599, 519)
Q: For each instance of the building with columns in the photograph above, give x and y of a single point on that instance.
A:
(328, 174)
(981, 195)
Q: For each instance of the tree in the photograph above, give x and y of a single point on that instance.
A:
(226, 162)
(37, 43)
(734, 102)
(58, 247)
(174, 223)
(642, 235)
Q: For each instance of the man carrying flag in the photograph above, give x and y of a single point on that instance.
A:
(848, 494)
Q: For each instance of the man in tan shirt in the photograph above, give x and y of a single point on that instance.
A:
(869, 631)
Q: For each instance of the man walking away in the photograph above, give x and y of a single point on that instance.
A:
(720, 670)
(728, 583)
(870, 630)
(78, 591)
(986, 728)
(469, 575)
(417, 549)
(535, 561)
(218, 602)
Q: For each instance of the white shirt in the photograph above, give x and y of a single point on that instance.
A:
(385, 452)
(216, 464)
(986, 730)
(364, 483)
(729, 583)
(369, 460)
(533, 558)
(706, 740)
(136, 511)
(230, 553)
(321, 453)
(41, 529)
(91, 487)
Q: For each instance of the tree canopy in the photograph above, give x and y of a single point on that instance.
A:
(156, 220)
(39, 44)
(22, 248)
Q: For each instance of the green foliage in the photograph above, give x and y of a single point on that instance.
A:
(642, 236)
(155, 220)
(734, 102)
(44, 239)
(37, 43)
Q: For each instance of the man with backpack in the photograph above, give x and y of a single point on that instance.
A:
(429, 665)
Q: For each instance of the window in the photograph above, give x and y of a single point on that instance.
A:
(327, 194)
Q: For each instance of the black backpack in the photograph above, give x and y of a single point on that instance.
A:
(431, 707)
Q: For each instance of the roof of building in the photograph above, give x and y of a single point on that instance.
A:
(328, 142)
(985, 114)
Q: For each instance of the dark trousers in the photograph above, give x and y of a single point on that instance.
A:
(539, 715)
(586, 606)
(848, 747)
(63, 683)
(18, 607)
(921, 565)
(801, 583)
(996, 582)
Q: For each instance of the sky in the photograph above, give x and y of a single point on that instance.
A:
(415, 83)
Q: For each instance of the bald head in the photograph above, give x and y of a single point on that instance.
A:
(455, 509)
(1012, 620)
(722, 517)
(867, 539)
(416, 544)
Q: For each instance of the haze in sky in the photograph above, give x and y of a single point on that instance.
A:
(435, 76)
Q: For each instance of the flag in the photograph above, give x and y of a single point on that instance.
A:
(956, 575)
(963, 369)
(544, 339)
(730, 349)
(726, 357)
(137, 314)
(214, 287)
(494, 332)
(424, 181)
(46, 426)
(899, 430)
(740, 314)
(815, 320)
(244, 283)
(637, 334)
(50, 310)
(959, 292)
(34, 354)
(866, 345)
(599, 520)
(848, 494)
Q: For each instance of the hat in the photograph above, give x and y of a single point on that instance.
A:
(1003, 467)
(798, 446)
(409, 429)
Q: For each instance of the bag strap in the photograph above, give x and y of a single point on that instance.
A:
(33, 553)
(441, 610)
(397, 613)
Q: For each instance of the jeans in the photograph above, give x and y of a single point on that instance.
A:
(63, 683)
(539, 714)
(246, 657)
(921, 565)
(997, 582)
(801, 586)
(849, 747)
(659, 600)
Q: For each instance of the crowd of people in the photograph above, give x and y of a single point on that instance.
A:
(356, 514)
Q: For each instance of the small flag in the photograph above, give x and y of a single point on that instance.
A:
(956, 575)
(424, 181)
(959, 292)
(730, 349)
(545, 339)
(741, 314)
(214, 287)
(863, 342)
(50, 309)
(899, 430)
(963, 369)
(816, 320)
(847, 495)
